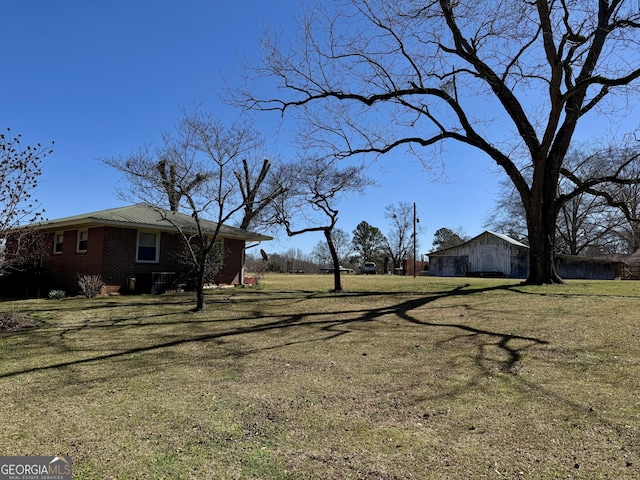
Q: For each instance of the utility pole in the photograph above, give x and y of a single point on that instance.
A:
(415, 220)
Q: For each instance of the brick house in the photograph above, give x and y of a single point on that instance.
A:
(133, 249)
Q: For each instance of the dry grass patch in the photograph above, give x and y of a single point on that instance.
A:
(14, 322)
(395, 378)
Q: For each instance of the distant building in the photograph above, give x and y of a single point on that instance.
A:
(492, 254)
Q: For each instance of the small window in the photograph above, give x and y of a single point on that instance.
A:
(58, 240)
(148, 247)
(83, 240)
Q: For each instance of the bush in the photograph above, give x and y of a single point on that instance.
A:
(189, 270)
(57, 294)
(90, 285)
(14, 321)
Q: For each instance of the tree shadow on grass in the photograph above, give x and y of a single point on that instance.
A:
(347, 317)
(505, 342)
(335, 326)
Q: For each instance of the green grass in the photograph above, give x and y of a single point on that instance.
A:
(394, 378)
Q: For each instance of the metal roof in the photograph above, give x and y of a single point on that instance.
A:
(506, 239)
(499, 235)
(147, 216)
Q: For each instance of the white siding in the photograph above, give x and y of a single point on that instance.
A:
(486, 253)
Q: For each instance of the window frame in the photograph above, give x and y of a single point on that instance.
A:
(57, 244)
(79, 240)
(157, 235)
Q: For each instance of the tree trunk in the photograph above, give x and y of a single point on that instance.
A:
(541, 223)
(200, 288)
(542, 269)
(337, 281)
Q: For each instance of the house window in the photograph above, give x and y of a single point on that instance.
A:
(83, 239)
(58, 239)
(148, 247)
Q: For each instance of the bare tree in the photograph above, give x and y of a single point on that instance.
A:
(586, 223)
(174, 185)
(314, 187)
(585, 226)
(258, 194)
(377, 75)
(196, 171)
(174, 170)
(165, 174)
(297, 261)
(400, 237)
(342, 244)
(627, 200)
(623, 198)
(19, 173)
(508, 215)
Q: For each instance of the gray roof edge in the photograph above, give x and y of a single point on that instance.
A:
(141, 216)
(506, 238)
(499, 235)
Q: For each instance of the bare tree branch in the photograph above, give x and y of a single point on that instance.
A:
(20, 169)
(386, 75)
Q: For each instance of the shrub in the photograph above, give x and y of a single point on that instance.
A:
(90, 285)
(14, 321)
(57, 294)
(189, 269)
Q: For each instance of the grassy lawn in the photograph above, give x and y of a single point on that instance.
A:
(395, 378)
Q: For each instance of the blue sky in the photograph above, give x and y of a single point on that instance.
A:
(104, 78)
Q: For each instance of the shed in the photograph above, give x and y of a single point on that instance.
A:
(488, 254)
(492, 254)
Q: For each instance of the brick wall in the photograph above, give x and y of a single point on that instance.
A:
(64, 267)
(231, 270)
(111, 253)
(120, 256)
